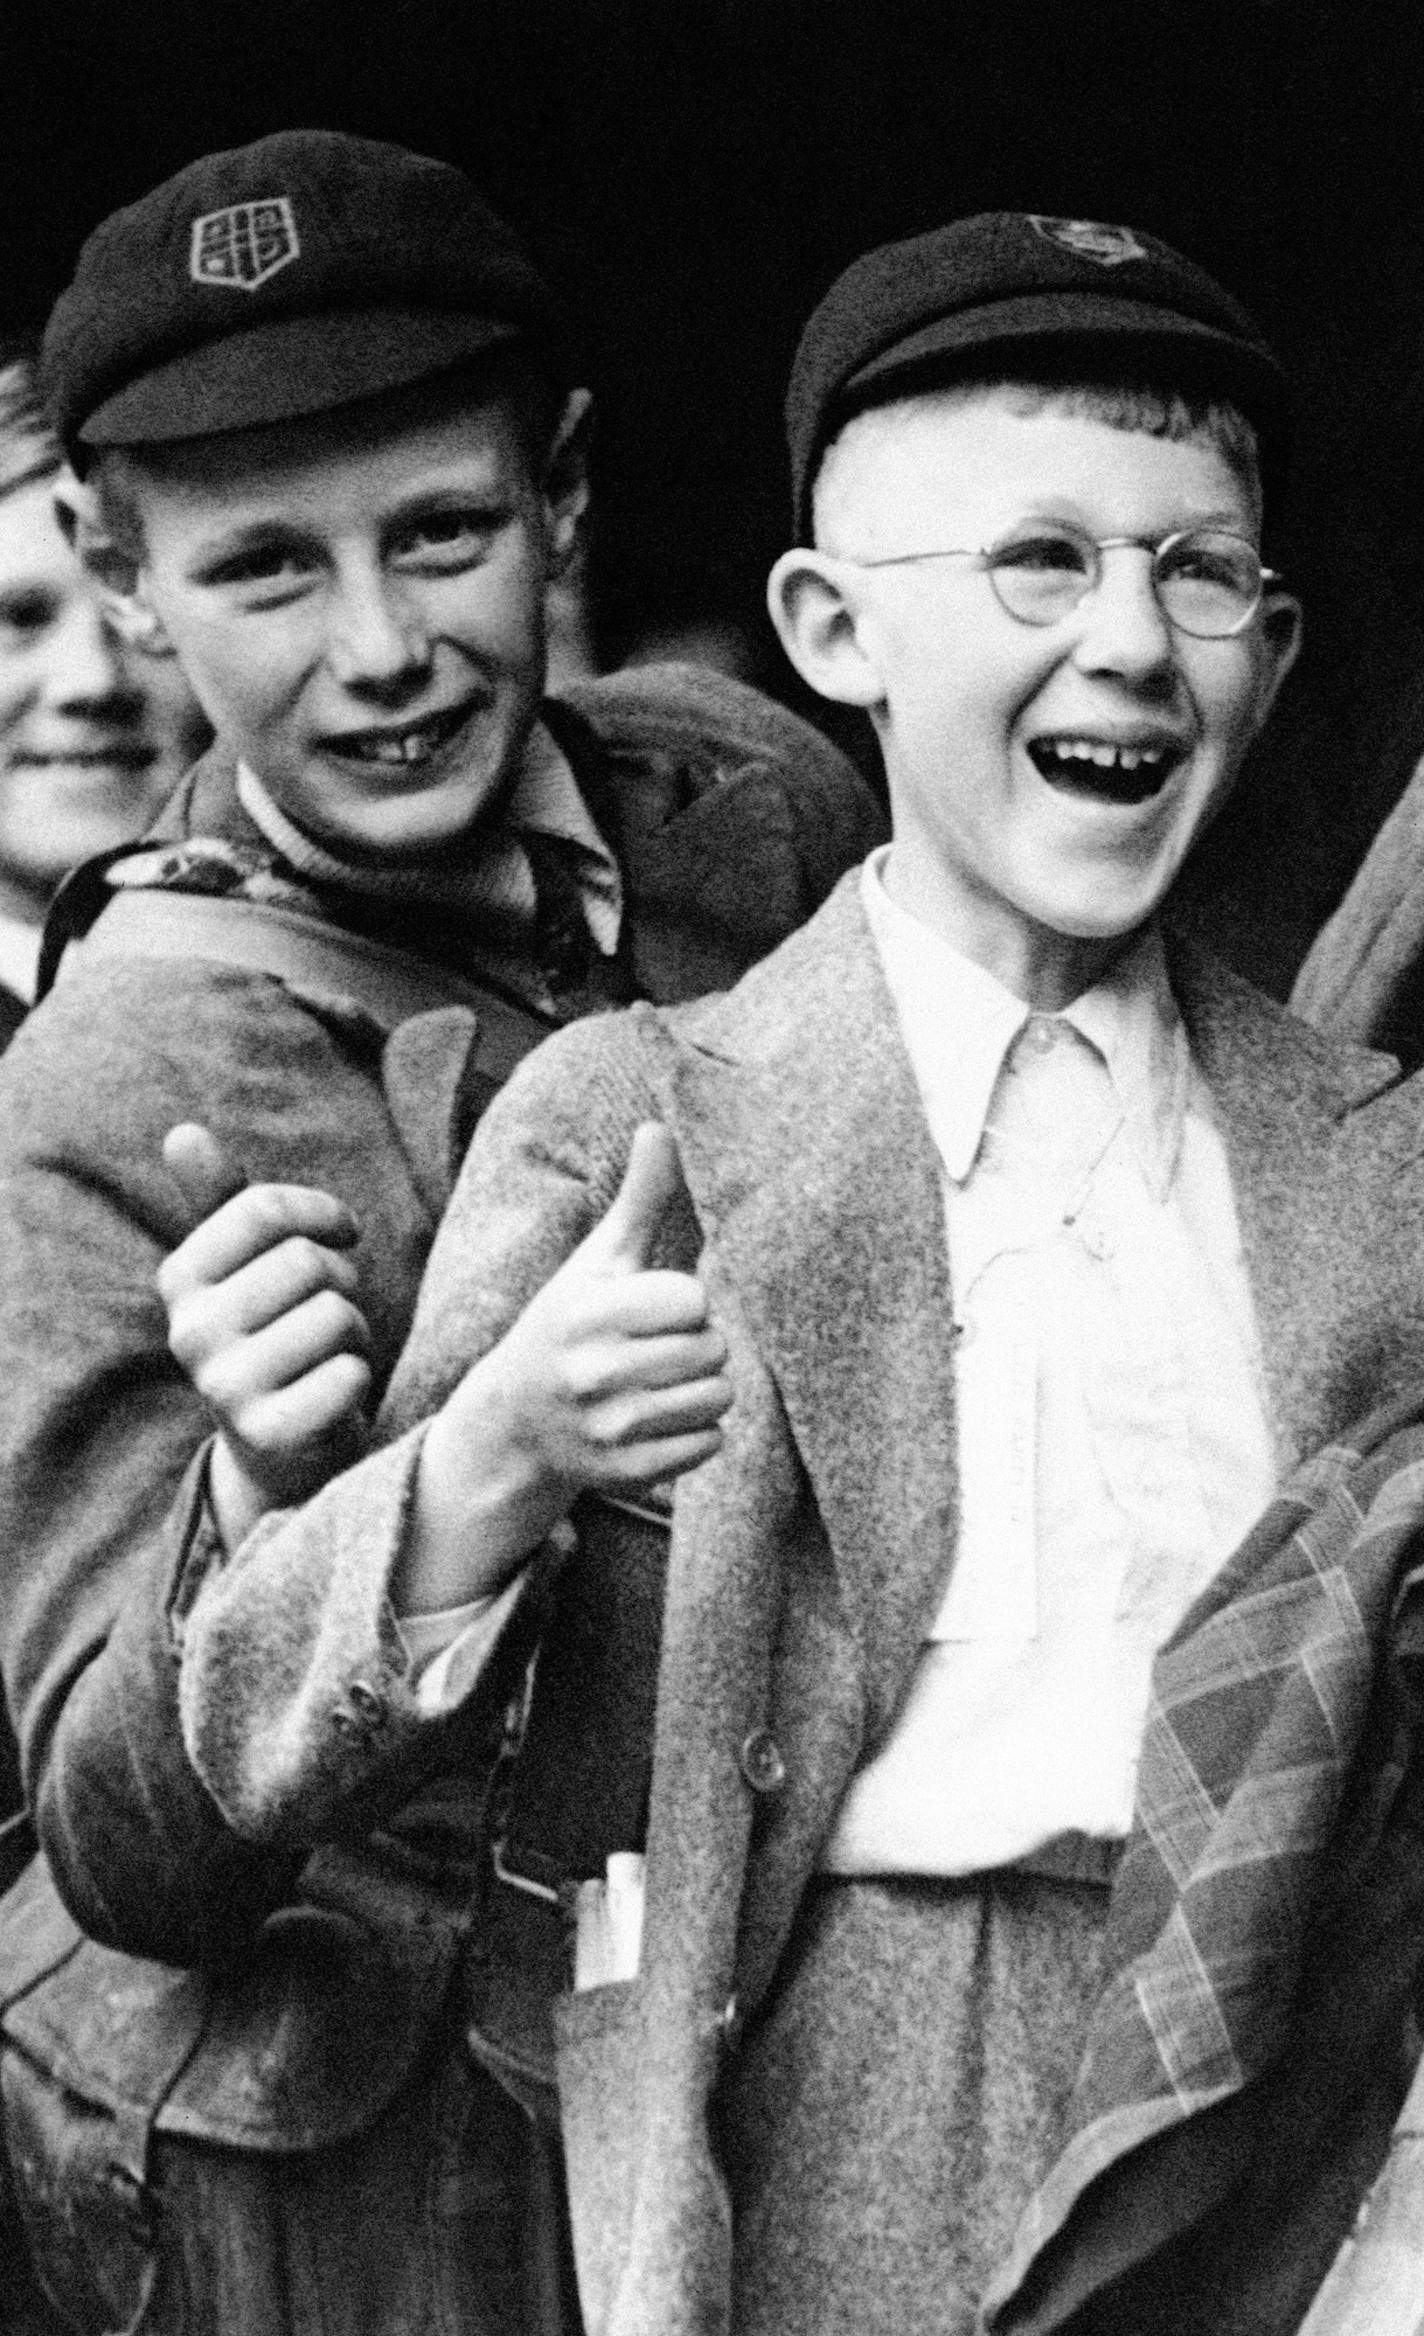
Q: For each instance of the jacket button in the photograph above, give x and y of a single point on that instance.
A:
(367, 1704)
(762, 1764)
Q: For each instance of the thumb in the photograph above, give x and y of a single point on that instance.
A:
(652, 1183)
(200, 1168)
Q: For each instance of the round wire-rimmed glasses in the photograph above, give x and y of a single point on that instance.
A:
(1208, 581)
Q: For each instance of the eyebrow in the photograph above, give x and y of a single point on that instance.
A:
(485, 503)
(275, 532)
(248, 536)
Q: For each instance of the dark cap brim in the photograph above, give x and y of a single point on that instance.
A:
(1071, 319)
(288, 367)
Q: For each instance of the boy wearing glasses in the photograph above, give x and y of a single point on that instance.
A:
(978, 1267)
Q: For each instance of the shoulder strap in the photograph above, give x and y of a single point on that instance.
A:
(391, 985)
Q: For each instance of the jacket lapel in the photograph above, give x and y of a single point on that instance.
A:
(806, 1151)
(1282, 1095)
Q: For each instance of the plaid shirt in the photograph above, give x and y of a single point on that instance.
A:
(1284, 1718)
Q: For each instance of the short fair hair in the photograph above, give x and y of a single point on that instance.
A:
(1126, 404)
(29, 449)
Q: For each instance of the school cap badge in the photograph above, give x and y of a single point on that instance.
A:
(359, 268)
(244, 244)
(1000, 287)
(1090, 239)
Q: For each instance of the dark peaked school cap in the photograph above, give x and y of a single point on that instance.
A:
(1006, 284)
(280, 279)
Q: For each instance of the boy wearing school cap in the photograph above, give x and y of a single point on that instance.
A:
(1030, 1865)
(327, 414)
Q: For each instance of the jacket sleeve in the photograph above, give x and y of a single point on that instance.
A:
(297, 1709)
(100, 1432)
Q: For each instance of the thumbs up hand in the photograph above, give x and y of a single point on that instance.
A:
(263, 1316)
(613, 1378)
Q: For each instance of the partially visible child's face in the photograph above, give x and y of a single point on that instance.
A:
(359, 604)
(92, 737)
(1027, 859)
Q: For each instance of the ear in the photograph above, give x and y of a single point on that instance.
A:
(116, 569)
(1282, 627)
(822, 623)
(564, 483)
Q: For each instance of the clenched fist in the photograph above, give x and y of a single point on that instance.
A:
(263, 1316)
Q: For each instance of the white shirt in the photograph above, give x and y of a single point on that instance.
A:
(1112, 1428)
(19, 956)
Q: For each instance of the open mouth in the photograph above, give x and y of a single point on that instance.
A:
(1109, 770)
(406, 748)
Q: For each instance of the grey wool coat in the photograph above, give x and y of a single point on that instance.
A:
(151, 1956)
(807, 1558)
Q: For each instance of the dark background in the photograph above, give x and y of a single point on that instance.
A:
(695, 171)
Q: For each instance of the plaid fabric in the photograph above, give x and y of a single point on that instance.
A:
(1303, 1658)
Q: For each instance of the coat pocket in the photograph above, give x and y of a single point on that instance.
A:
(597, 2033)
(88, 2231)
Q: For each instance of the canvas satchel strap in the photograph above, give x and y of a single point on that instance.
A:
(390, 985)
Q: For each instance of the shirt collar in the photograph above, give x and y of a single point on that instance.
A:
(19, 956)
(959, 1022)
(544, 798)
(1131, 1017)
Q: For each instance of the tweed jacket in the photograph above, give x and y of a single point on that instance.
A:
(808, 1558)
(730, 819)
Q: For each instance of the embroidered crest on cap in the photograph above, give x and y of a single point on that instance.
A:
(1090, 239)
(245, 244)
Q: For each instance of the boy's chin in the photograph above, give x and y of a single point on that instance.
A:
(1094, 902)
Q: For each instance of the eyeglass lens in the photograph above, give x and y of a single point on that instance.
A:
(1207, 582)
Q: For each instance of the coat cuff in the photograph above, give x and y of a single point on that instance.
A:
(297, 1694)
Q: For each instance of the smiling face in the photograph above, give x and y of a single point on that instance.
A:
(88, 748)
(1046, 783)
(358, 601)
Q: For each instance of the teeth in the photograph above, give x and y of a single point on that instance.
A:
(413, 746)
(398, 749)
(1099, 751)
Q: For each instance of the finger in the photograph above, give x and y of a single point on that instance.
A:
(647, 1305)
(617, 1365)
(240, 1374)
(257, 1220)
(200, 1168)
(319, 1413)
(655, 1413)
(626, 1238)
(654, 1462)
(210, 1315)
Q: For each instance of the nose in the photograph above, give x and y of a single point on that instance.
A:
(1121, 627)
(377, 640)
(87, 672)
